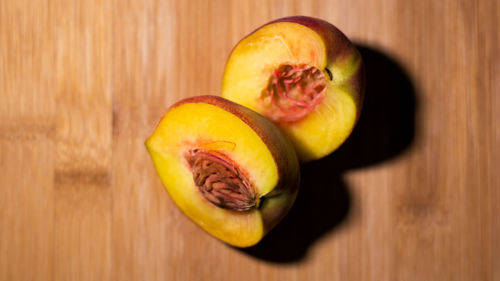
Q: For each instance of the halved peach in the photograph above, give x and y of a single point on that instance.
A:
(305, 75)
(226, 167)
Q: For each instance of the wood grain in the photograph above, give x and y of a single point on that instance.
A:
(413, 195)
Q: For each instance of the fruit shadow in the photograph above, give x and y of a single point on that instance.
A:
(386, 129)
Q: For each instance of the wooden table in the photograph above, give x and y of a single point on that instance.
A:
(413, 194)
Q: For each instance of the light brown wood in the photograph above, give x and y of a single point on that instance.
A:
(413, 195)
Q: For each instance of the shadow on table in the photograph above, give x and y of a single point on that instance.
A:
(385, 129)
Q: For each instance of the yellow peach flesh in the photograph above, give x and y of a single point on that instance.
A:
(255, 58)
(195, 125)
(338, 111)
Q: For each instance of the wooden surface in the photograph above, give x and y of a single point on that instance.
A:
(413, 195)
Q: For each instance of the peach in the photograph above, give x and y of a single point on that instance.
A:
(229, 169)
(305, 75)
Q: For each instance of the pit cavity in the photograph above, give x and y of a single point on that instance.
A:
(220, 180)
(293, 91)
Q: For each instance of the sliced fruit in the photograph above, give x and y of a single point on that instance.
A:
(227, 168)
(305, 75)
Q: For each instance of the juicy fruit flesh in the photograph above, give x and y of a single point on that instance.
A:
(252, 62)
(256, 57)
(220, 180)
(199, 125)
(324, 129)
(293, 91)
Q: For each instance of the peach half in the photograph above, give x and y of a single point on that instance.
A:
(305, 75)
(229, 169)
